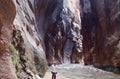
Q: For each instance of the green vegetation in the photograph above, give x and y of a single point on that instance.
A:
(15, 59)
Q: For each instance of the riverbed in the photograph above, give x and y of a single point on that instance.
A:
(79, 71)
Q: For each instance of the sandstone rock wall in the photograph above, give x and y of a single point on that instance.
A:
(100, 23)
(21, 53)
(36, 28)
(61, 29)
(7, 15)
(107, 48)
(27, 44)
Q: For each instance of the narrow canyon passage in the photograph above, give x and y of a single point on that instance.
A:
(34, 33)
(79, 71)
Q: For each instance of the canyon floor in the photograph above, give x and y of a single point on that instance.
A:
(77, 71)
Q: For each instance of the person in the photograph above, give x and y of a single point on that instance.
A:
(54, 71)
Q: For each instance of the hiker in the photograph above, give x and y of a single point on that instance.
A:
(54, 72)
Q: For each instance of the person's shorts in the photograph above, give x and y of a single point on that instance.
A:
(54, 72)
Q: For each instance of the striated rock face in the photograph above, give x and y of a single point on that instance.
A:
(88, 18)
(100, 23)
(61, 25)
(107, 35)
(27, 47)
(32, 28)
(7, 15)
(21, 53)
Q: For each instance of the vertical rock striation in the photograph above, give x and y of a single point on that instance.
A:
(100, 23)
(88, 29)
(21, 49)
(29, 29)
(61, 24)
(7, 15)
(27, 47)
(107, 35)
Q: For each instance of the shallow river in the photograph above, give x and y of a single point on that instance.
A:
(77, 71)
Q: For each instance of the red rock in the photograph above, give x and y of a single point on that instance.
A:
(7, 15)
(105, 46)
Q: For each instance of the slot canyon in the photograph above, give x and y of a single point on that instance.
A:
(33, 33)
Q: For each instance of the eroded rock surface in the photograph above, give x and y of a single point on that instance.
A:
(7, 15)
(107, 49)
(62, 25)
(101, 38)
(26, 43)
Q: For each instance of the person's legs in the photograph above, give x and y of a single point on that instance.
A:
(55, 76)
(52, 75)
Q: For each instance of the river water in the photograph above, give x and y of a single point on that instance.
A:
(78, 71)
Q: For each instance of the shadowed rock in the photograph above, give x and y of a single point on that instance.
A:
(101, 33)
(61, 29)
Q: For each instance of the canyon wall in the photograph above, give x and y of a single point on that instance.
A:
(101, 33)
(7, 15)
(107, 39)
(22, 54)
(57, 23)
(60, 24)
(27, 45)
(34, 31)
